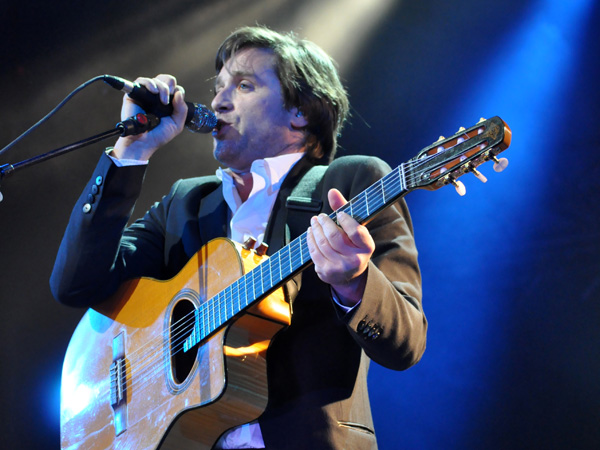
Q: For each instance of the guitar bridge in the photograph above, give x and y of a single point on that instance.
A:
(118, 384)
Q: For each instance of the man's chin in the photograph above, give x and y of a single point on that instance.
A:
(222, 153)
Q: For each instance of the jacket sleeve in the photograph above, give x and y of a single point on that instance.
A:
(97, 253)
(389, 322)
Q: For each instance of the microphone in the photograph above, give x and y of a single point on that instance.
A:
(199, 118)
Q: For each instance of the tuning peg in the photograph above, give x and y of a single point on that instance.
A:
(460, 187)
(499, 164)
(481, 177)
(262, 249)
(461, 129)
(441, 138)
(481, 120)
(249, 243)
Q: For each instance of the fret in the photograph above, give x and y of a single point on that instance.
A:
(211, 313)
(219, 308)
(245, 278)
(208, 308)
(380, 198)
(278, 269)
(355, 207)
(402, 177)
(261, 279)
(282, 255)
(385, 181)
(221, 311)
(304, 250)
(215, 310)
(253, 287)
(236, 299)
(290, 256)
(223, 305)
(279, 265)
(300, 243)
(258, 281)
(229, 305)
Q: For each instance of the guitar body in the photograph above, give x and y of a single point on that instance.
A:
(126, 382)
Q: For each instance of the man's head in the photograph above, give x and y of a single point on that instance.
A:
(309, 83)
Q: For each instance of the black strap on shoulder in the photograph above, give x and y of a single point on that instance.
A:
(304, 201)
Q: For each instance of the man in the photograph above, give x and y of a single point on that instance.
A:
(280, 106)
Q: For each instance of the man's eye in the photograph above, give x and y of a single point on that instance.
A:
(244, 86)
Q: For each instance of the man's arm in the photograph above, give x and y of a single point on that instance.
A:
(388, 322)
(93, 259)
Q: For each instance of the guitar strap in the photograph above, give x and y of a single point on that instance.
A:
(304, 202)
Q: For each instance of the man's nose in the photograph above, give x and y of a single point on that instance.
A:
(221, 101)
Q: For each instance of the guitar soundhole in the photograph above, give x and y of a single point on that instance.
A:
(182, 324)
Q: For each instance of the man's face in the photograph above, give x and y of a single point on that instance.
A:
(253, 121)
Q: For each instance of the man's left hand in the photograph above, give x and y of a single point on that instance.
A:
(341, 253)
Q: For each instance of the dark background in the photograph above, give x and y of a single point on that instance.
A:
(511, 271)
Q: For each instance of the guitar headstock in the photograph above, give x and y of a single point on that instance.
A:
(448, 159)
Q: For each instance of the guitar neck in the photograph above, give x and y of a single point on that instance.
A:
(290, 260)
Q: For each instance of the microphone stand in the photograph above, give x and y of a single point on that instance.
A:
(137, 124)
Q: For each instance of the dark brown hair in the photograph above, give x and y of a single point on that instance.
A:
(309, 82)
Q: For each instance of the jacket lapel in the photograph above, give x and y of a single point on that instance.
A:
(212, 216)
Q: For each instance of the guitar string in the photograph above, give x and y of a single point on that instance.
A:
(360, 204)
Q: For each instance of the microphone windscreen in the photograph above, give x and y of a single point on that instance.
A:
(203, 120)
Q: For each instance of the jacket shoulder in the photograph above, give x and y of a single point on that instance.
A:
(195, 186)
(358, 164)
(357, 171)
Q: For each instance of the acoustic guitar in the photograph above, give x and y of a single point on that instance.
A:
(174, 364)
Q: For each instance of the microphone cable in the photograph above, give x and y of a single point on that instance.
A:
(51, 113)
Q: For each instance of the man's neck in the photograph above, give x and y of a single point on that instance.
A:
(243, 184)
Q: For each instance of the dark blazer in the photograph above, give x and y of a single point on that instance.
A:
(317, 366)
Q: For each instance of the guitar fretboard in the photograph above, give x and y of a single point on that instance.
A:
(288, 261)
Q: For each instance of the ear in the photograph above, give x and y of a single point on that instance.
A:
(297, 118)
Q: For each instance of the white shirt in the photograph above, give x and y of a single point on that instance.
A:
(250, 218)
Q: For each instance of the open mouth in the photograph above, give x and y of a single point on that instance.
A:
(220, 124)
(220, 128)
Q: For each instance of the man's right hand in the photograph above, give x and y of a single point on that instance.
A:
(143, 146)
